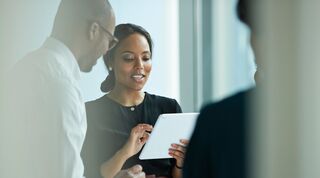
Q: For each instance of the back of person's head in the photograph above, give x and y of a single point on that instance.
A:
(74, 14)
(84, 26)
(243, 12)
(247, 12)
(122, 31)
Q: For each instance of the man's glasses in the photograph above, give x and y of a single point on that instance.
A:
(112, 39)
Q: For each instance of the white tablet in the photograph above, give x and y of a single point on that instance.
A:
(169, 128)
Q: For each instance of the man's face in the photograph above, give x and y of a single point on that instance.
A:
(100, 44)
(255, 48)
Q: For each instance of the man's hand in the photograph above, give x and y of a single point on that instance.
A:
(133, 172)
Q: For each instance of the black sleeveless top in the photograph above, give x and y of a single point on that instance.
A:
(109, 127)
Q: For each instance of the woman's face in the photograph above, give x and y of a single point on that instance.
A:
(132, 62)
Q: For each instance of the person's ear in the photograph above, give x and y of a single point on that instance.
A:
(94, 31)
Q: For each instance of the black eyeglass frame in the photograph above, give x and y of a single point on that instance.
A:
(113, 41)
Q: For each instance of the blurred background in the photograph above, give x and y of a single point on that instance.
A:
(202, 54)
(201, 50)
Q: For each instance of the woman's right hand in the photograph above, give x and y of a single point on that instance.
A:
(138, 137)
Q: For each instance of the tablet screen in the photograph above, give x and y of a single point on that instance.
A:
(169, 128)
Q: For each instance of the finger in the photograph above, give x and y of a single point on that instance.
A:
(135, 169)
(176, 153)
(179, 158)
(145, 127)
(142, 126)
(140, 130)
(144, 138)
(145, 135)
(184, 141)
(135, 129)
(178, 147)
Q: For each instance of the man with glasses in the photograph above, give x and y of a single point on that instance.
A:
(113, 40)
(43, 122)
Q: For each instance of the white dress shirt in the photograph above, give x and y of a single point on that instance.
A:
(45, 123)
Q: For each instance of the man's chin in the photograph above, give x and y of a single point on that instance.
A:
(86, 69)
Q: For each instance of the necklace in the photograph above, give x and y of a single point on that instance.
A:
(131, 108)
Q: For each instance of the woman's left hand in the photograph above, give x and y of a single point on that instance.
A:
(177, 151)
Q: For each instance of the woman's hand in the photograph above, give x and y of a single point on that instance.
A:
(138, 137)
(177, 151)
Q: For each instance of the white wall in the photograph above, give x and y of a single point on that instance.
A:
(159, 18)
(215, 50)
(233, 61)
(24, 27)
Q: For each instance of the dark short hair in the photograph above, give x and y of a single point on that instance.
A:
(121, 32)
(243, 12)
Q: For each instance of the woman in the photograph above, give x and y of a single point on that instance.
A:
(119, 122)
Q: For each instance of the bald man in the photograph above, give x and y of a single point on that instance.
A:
(43, 122)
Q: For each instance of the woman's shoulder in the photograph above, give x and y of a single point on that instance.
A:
(97, 101)
(159, 99)
(98, 104)
(166, 103)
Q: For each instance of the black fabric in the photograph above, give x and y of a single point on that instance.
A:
(109, 126)
(218, 146)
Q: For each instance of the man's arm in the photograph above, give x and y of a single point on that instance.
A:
(65, 121)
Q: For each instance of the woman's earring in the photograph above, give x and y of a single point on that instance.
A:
(110, 68)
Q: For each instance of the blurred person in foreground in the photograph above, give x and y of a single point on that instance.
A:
(43, 118)
(219, 145)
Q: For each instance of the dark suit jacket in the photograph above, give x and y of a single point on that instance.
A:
(218, 146)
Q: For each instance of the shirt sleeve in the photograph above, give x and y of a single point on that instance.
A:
(177, 106)
(67, 114)
(45, 131)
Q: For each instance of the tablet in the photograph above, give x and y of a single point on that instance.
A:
(169, 128)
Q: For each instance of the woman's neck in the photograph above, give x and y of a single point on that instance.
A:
(126, 97)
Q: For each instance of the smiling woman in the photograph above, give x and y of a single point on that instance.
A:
(160, 18)
(133, 59)
(119, 123)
